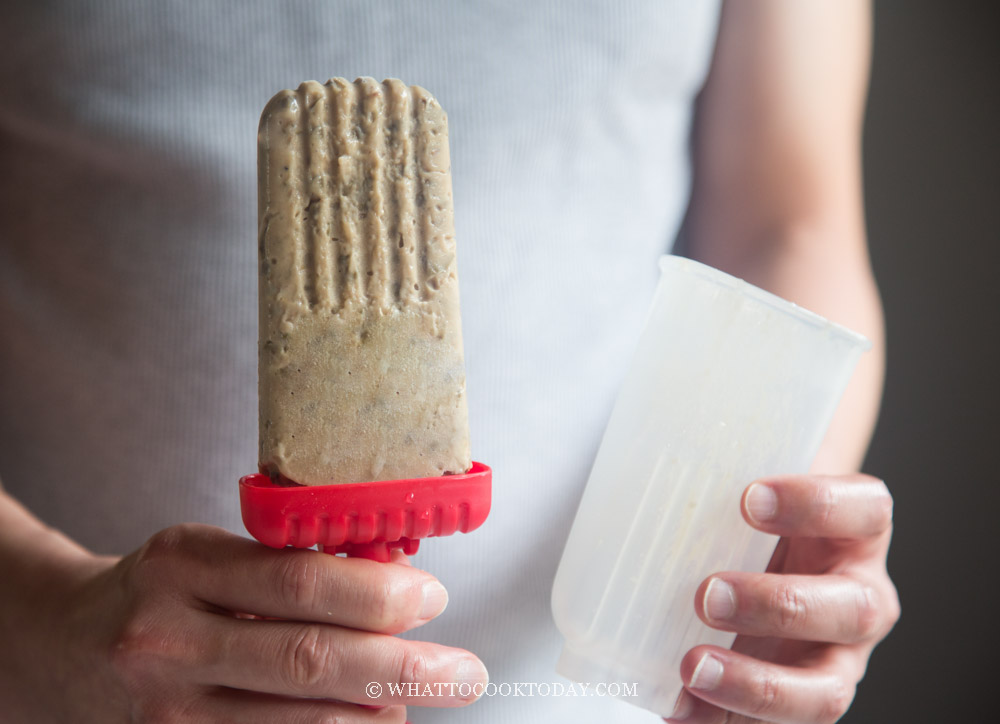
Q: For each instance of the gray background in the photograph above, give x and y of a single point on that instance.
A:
(932, 177)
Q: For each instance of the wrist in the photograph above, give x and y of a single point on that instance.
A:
(26, 543)
(43, 617)
(38, 565)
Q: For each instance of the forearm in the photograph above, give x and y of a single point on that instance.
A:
(776, 196)
(42, 676)
(31, 554)
(811, 264)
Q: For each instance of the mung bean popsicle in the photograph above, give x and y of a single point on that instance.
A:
(361, 370)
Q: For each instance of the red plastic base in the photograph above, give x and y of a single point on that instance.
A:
(365, 520)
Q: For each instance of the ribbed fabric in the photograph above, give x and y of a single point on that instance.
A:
(128, 262)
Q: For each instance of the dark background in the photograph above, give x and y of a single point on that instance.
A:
(932, 154)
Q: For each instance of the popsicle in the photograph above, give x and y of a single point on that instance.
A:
(361, 369)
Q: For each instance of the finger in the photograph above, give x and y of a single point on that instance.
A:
(248, 707)
(769, 692)
(692, 710)
(828, 608)
(354, 592)
(241, 575)
(819, 506)
(315, 660)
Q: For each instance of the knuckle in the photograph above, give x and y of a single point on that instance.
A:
(887, 504)
(380, 602)
(836, 703)
(788, 607)
(165, 560)
(299, 582)
(390, 599)
(134, 648)
(880, 503)
(869, 613)
(883, 504)
(825, 503)
(889, 612)
(412, 666)
(154, 557)
(143, 645)
(894, 609)
(769, 696)
(168, 542)
(310, 661)
(158, 555)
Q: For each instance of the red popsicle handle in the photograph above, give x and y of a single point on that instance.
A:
(366, 520)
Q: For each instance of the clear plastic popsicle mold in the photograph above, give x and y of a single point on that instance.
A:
(728, 383)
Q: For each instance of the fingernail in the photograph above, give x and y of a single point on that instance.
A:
(435, 600)
(720, 600)
(683, 707)
(762, 503)
(471, 678)
(707, 674)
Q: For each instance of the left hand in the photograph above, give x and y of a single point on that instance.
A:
(809, 624)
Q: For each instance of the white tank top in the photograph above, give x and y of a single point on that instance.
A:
(128, 273)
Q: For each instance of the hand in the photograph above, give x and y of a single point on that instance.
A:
(203, 626)
(806, 627)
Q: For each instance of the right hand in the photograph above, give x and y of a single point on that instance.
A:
(200, 625)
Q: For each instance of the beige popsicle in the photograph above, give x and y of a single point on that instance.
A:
(361, 372)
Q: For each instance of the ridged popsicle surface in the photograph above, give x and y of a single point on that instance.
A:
(361, 370)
